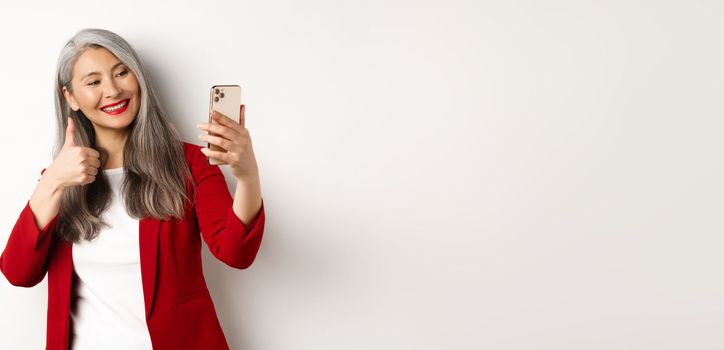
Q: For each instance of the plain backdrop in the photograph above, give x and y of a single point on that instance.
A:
(436, 174)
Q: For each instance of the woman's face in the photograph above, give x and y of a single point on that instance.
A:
(105, 90)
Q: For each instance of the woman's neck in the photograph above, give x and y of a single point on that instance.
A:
(114, 145)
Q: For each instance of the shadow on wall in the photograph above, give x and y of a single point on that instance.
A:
(283, 281)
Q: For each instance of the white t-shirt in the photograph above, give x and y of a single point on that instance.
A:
(107, 310)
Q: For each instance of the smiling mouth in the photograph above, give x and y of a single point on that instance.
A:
(116, 108)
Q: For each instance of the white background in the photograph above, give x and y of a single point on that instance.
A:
(436, 175)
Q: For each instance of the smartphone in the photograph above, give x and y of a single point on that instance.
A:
(225, 99)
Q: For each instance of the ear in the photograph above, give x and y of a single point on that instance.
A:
(70, 99)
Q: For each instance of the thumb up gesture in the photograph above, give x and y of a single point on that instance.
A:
(74, 165)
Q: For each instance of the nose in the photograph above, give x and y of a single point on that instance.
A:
(111, 89)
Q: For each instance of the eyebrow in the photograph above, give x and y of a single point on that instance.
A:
(96, 73)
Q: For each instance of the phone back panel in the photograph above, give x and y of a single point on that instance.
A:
(226, 100)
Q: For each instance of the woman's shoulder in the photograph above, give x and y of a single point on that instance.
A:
(192, 152)
(197, 161)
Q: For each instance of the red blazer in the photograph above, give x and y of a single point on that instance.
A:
(179, 310)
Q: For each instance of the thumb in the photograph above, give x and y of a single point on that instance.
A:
(242, 115)
(70, 133)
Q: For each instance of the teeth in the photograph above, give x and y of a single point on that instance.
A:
(118, 106)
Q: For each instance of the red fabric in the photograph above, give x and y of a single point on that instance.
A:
(179, 310)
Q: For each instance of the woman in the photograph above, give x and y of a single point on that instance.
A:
(114, 221)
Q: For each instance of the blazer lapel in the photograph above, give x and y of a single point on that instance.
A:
(148, 242)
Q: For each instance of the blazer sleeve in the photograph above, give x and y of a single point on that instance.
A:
(24, 259)
(228, 239)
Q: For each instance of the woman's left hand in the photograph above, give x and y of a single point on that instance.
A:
(234, 138)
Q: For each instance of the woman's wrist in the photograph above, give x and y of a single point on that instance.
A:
(250, 181)
(50, 182)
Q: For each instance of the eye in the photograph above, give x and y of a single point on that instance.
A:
(122, 73)
(93, 83)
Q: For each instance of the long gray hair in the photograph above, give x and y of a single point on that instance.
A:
(156, 170)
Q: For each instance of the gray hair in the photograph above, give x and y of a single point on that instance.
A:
(157, 175)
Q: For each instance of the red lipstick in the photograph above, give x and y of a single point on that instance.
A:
(117, 111)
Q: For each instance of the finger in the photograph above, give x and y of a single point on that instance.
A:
(222, 156)
(94, 162)
(91, 179)
(91, 152)
(70, 133)
(224, 120)
(242, 117)
(91, 170)
(219, 130)
(219, 141)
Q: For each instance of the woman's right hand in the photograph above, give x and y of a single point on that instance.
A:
(74, 165)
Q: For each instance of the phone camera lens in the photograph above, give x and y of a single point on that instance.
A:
(216, 91)
(222, 95)
(216, 99)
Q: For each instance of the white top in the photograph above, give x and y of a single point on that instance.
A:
(108, 310)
